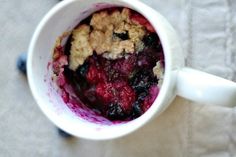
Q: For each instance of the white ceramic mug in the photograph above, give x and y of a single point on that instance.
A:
(178, 79)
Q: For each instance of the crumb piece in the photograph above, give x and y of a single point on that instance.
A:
(58, 49)
(115, 18)
(119, 48)
(80, 46)
(125, 14)
(100, 20)
(101, 38)
(136, 33)
(96, 39)
(104, 26)
(158, 71)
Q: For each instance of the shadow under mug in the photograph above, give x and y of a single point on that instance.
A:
(178, 79)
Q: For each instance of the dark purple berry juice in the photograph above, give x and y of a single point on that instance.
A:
(114, 62)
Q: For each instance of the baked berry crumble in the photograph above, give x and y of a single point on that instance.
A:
(114, 62)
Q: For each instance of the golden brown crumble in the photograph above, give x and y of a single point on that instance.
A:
(158, 71)
(101, 38)
(80, 46)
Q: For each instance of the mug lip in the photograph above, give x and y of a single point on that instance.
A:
(156, 109)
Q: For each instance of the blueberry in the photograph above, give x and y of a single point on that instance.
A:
(140, 81)
(79, 83)
(82, 70)
(115, 112)
(64, 134)
(21, 63)
(122, 36)
(150, 39)
(137, 111)
(68, 72)
(68, 45)
(86, 21)
(142, 96)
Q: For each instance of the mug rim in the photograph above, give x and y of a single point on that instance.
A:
(156, 108)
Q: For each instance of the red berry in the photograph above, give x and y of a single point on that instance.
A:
(137, 18)
(125, 65)
(61, 80)
(95, 75)
(119, 92)
(105, 91)
(149, 27)
(127, 98)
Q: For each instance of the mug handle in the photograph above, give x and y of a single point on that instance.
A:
(202, 87)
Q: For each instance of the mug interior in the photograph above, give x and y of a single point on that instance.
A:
(81, 122)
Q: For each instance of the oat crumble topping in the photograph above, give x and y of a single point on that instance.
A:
(158, 71)
(80, 46)
(101, 37)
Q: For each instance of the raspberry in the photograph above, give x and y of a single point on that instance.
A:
(137, 18)
(149, 27)
(105, 91)
(126, 96)
(125, 65)
(95, 75)
(119, 92)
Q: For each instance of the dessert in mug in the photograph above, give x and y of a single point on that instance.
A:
(112, 63)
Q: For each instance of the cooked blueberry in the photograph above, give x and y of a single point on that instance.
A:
(137, 111)
(140, 82)
(64, 134)
(122, 36)
(68, 45)
(21, 63)
(86, 20)
(150, 39)
(82, 70)
(79, 83)
(142, 96)
(68, 72)
(115, 112)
